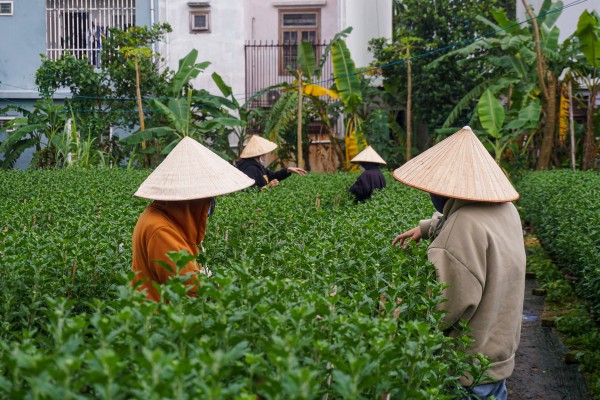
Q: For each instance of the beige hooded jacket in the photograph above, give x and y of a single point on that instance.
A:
(478, 251)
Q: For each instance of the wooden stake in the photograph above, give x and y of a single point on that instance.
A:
(299, 157)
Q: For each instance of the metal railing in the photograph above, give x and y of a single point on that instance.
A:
(265, 67)
(80, 26)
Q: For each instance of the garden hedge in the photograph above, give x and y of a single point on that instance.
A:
(307, 299)
(564, 208)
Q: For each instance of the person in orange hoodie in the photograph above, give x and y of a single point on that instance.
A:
(183, 187)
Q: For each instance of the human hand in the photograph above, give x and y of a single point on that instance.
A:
(297, 171)
(413, 235)
(274, 182)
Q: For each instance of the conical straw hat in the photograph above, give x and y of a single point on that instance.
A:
(191, 171)
(257, 146)
(368, 155)
(459, 167)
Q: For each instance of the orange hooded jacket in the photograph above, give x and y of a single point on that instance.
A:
(166, 226)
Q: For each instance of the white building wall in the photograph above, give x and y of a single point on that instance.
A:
(223, 46)
(233, 22)
(369, 19)
(567, 22)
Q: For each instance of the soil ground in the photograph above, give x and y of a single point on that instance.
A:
(541, 372)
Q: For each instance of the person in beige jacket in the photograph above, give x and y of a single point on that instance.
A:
(476, 247)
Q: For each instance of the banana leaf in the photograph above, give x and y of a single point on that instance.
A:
(188, 70)
(346, 78)
(306, 59)
(148, 134)
(491, 113)
(588, 33)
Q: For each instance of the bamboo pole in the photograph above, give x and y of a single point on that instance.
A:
(408, 106)
(300, 156)
(571, 127)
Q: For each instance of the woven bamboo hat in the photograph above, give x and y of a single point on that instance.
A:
(257, 146)
(191, 171)
(368, 155)
(459, 167)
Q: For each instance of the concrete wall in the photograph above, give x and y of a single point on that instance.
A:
(369, 19)
(223, 46)
(567, 22)
(23, 40)
(262, 20)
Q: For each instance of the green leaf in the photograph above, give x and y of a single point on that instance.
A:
(501, 18)
(148, 134)
(530, 115)
(14, 152)
(223, 87)
(338, 36)
(170, 146)
(491, 113)
(549, 19)
(465, 102)
(550, 40)
(187, 71)
(306, 59)
(588, 33)
(346, 79)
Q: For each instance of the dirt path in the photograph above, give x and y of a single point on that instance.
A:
(540, 372)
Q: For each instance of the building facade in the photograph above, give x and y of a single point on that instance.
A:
(226, 33)
(219, 30)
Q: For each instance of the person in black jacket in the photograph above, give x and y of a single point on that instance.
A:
(251, 164)
(371, 178)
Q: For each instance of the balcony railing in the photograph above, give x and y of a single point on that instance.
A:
(80, 26)
(265, 67)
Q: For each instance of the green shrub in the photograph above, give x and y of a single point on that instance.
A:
(564, 208)
(307, 298)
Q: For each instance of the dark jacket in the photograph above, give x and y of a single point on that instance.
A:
(369, 180)
(259, 173)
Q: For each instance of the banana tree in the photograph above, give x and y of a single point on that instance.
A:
(35, 128)
(492, 117)
(189, 112)
(347, 84)
(244, 112)
(587, 69)
(525, 64)
(289, 107)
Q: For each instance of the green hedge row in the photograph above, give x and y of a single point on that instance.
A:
(307, 300)
(564, 208)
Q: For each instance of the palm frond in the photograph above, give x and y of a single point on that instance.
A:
(465, 102)
(281, 115)
(14, 152)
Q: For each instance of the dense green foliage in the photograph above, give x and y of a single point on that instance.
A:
(307, 298)
(424, 26)
(564, 208)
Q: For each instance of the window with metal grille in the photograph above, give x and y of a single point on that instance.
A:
(199, 21)
(80, 26)
(294, 27)
(6, 8)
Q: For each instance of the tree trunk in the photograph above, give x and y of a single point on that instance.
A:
(547, 82)
(589, 148)
(409, 109)
(571, 127)
(138, 95)
(299, 157)
(550, 112)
